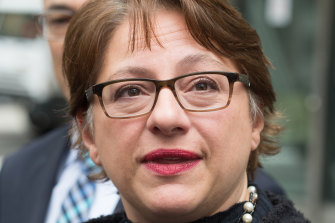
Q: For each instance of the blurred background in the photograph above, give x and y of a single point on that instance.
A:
(298, 37)
(30, 102)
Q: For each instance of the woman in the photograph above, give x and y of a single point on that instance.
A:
(174, 100)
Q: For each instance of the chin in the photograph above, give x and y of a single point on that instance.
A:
(173, 200)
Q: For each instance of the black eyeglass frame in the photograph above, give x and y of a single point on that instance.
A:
(159, 84)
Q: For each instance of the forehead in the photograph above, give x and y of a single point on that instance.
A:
(168, 27)
(172, 49)
(71, 4)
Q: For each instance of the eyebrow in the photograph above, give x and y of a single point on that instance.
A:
(194, 59)
(138, 71)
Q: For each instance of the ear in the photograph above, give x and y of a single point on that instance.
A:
(88, 138)
(257, 128)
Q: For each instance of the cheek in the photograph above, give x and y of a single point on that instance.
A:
(56, 48)
(227, 133)
(226, 127)
(117, 142)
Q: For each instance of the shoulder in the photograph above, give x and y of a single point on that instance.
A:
(53, 142)
(38, 146)
(283, 211)
(28, 176)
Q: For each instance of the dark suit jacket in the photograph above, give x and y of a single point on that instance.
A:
(28, 177)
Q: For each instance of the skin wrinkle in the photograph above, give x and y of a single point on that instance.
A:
(255, 112)
(190, 60)
(141, 72)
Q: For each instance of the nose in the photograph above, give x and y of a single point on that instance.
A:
(167, 117)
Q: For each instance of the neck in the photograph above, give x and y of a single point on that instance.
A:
(238, 193)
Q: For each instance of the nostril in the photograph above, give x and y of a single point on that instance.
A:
(167, 131)
(156, 130)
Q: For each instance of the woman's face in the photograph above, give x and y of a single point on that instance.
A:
(210, 175)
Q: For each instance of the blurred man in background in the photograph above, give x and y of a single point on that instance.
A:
(43, 181)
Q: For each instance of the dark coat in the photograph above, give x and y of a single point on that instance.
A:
(282, 211)
(28, 177)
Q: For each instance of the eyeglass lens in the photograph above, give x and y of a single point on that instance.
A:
(55, 23)
(197, 92)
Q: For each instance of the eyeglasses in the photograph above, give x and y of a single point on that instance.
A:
(195, 92)
(53, 23)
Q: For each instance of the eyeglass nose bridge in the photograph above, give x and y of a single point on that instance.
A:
(166, 84)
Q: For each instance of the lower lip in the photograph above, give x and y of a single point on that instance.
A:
(171, 169)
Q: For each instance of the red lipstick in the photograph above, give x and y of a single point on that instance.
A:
(169, 162)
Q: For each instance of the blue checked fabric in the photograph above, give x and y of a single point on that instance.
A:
(77, 203)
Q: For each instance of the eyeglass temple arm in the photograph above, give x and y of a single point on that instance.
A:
(244, 79)
(89, 93)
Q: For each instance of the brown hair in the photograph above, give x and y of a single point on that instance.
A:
(214, 24)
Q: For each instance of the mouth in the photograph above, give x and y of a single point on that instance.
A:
(169, 162)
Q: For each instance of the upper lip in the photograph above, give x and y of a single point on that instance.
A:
(170, 155)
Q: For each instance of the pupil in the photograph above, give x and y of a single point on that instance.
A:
(133, 92)
(201, 86)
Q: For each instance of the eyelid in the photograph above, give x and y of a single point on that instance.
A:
(202, 79)
(142, 88)
(58, 19)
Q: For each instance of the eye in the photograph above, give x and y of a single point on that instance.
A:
(58, 20)
(203, 84)
(133, 92)
(128, 92)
